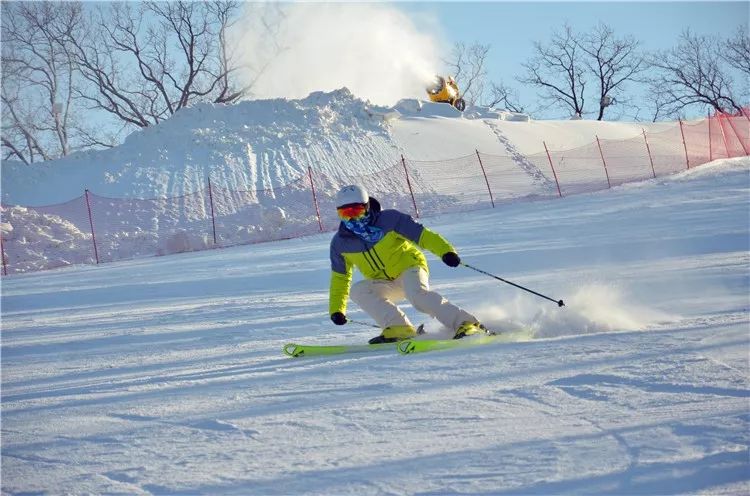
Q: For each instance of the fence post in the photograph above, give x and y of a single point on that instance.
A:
(739, 138)
(648, 150)
(684, 145)
(2, 250)
(315, 197)
(723, 134)
(91, 223)
(553, 168)
(211, 202)
(710, 144)
(492, 200)
(408, 183)
(609, 184)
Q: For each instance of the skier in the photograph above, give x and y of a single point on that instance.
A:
(384, 246)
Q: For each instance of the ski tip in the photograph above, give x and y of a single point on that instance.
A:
(406, 347)
(293, 350)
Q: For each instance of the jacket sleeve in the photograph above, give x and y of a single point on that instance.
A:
(422, 236)
(432, 241)
(341, 281)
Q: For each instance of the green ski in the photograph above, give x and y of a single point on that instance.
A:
(300, 350)
(305, 350)
(419, 346)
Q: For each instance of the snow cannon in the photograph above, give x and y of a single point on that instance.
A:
(443, 90)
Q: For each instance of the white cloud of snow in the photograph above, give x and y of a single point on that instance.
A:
(375, 50)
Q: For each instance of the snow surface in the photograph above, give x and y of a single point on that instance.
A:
(165, 375)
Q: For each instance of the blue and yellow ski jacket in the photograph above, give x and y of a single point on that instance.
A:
(387, 259)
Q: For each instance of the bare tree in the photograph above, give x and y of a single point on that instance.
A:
(125, 64)
(229, 90)
(691, 75)
(559, 71)
(736, 53)
(500, 94)
(38, 79)
(467, 66)
(147, 61)
(737, 50)
(613, 62)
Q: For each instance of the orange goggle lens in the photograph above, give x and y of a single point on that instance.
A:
(349, 212)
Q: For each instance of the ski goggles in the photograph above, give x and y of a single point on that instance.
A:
(352, 212)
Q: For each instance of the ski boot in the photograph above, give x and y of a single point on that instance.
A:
(469, 328)
(393, 334)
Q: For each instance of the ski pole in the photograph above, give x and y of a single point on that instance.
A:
(362, 323)
(560, 303)
(420, 328)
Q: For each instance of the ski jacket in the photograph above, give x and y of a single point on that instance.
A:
(387, 259)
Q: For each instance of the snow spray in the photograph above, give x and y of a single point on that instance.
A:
(591, 308)
(374, 50)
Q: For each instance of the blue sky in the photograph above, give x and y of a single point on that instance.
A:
(512, 27)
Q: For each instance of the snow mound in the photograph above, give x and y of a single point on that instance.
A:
(412, 107)
(252, 145)
(494, 114)
(43, 241)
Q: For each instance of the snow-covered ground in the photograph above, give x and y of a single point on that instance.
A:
(165, 375)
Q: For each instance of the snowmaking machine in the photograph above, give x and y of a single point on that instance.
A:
(443, 90)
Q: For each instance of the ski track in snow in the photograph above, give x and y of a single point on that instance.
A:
(165, 375)
(537, 176)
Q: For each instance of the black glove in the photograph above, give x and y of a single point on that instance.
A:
(338, 318)
(451, 259)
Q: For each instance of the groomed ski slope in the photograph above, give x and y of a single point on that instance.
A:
(166, 376)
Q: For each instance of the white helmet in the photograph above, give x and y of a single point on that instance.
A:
(351, 194)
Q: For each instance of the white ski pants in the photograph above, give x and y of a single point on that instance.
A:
(379, 297)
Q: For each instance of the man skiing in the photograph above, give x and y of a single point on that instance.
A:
(384, 246)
